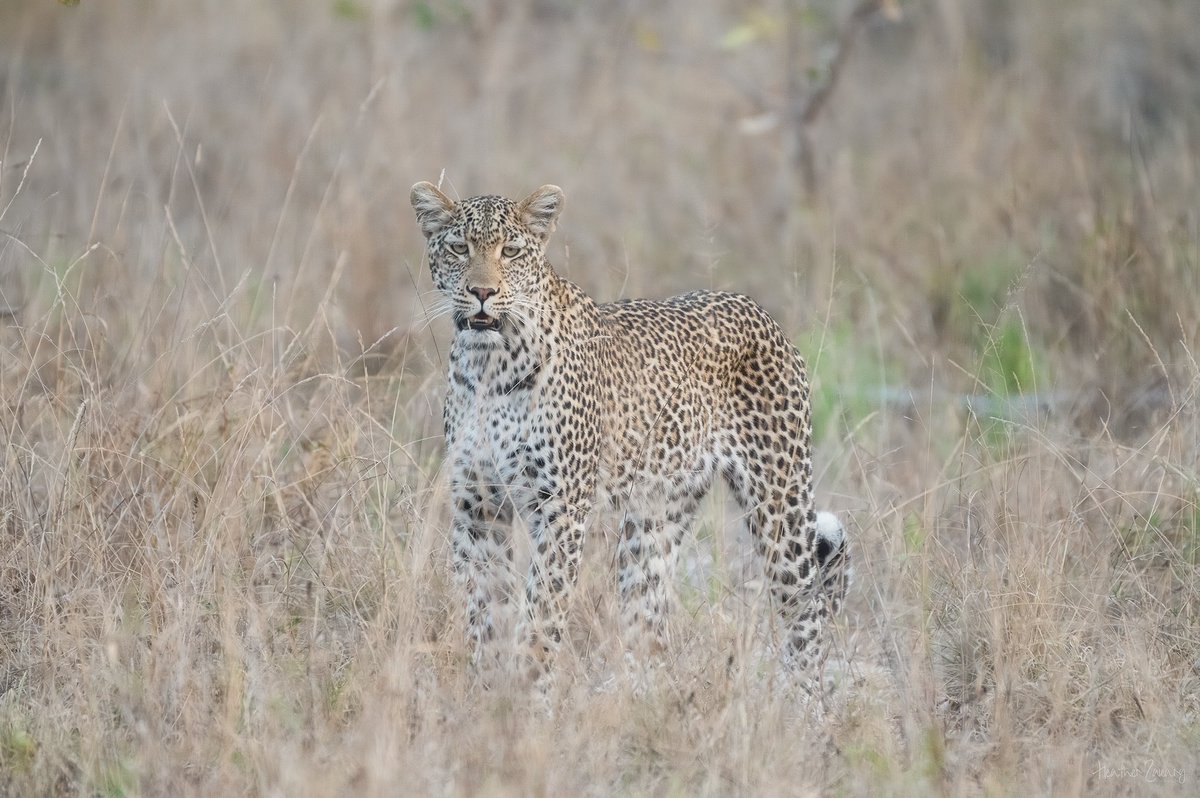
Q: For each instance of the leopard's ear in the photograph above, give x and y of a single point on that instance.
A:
(539, 211)
(433, 208)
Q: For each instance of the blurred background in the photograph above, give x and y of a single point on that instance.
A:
(987, 195)
(223, 531)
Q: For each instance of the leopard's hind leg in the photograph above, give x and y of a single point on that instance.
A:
(767, 461)
(647, 558)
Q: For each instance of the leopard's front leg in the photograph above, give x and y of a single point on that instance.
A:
(556, 533)
(562, 478)
(482, 544)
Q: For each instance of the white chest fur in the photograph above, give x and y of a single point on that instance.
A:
(490, 412)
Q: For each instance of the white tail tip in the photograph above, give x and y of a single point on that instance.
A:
(830, 528)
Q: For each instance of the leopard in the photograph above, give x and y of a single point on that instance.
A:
(559, 407)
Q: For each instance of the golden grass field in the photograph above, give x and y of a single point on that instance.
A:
(223, 533)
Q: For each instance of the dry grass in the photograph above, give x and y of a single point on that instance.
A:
(223, 559)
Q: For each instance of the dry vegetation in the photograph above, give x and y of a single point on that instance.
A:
(223, 557)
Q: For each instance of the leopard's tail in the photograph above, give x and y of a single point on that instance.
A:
(833, 557)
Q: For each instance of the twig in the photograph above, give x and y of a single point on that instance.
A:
(804, 111)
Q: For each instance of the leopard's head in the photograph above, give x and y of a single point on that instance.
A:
(487, 254)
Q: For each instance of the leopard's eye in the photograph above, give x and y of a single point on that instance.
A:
(458, 247)
(511, 251)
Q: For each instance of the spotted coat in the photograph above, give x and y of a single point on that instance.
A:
(558, 405)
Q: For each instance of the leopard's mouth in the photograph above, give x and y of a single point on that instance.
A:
(480, 322)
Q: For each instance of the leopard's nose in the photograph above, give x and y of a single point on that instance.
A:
(483, 293)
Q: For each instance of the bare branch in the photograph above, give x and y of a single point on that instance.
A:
(805, 110)
(808, 112)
